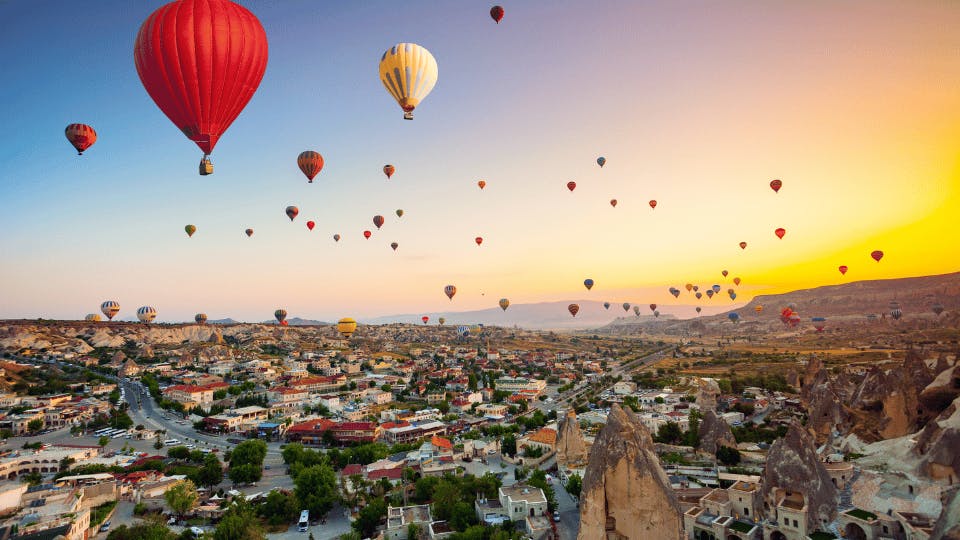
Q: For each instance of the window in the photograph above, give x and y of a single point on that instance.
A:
(746, 511)
(795, 523)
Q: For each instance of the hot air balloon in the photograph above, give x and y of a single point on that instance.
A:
(843, 269)
(190, 229)
(399, 212)
(336, 237)
(733, 316)
(775, 185)
(937, 309)
(743, 245)
(482, 184)
(425, 319)
(81, 136)
(249, 232)
(389, 170)
(716, 288)
(877, 255)
(656, 313)
(409, 72)
(636, 310)
(504, 304)
(606, 305)
(394, 245)
(759, 309)
(463, 331)
(710, 293)
(346, 326)
(652, 203)
(292, 212)
(819, 323)
(733, 295)
(699, 309)
(675, 292)
(724, 273)
(442, 320)
(794, 320)
(200, 318)
(601, 161)
(311, 225)
(378, 221)
(736, 281)
(588, 283)
(496, 13)
(310, 163)
(201, 61)
(696, 288)
(626, 306)
(110, 308)
(895, 311)
(478, 240)
(689, 287)
(92, 317)
(366, 234)
(146, 314)
(653, 307)
(280, 314)
(699, 295)
(613, 203)
(450, 290)
(780, 232)
(571, 185)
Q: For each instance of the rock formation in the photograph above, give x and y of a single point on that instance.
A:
(825, 407)
(571, 448)
(948, 526)
(625, 493)
(810, 373)
(938, 444)
(944, 388)
(714, 433)
(707, 394)
(889, 401)
(792, 466)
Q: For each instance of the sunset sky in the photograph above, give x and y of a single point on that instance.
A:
(854, 105)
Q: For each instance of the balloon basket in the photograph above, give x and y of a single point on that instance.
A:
(206, 166)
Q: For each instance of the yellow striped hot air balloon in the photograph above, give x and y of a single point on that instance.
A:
(409, 72)
(346, 326)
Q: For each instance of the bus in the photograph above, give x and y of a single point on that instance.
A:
(304, 521)
(101, 431)
(171, 442)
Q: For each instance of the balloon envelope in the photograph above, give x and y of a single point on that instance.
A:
(378, 221)
(200, 318)
(336, 238)
(81, 136)
(399, 212)
(346, 326)
(389, 170)
(504, 304)
(311, 225)
(613, 203)
(877, 255)
(843, 269)
(146, 314)
(606, 305)
(110, 308)
(249, 232)
(292, 212)
(588, 283)
(571, 185)
(366, 234)
(190, 229)
(450, 290)
(280, 314)
(573, 309)
(780, 232)
(601, 160)
(394, 245)
(478, 240)
(496, 13)
(408, 72)
(775, 185)
(310, 163)
(482, 184)
(743, 245)
(653, 203)
(626, 306)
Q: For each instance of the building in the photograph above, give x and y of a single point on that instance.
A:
(193, 395)
(514, 385)
(406, 432)
(313, 432)
(236, 420)
(399, 519)
(522, 504)
(625, 387)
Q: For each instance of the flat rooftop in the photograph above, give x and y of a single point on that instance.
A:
(521, 492)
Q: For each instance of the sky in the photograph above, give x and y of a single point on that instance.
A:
(854, 105)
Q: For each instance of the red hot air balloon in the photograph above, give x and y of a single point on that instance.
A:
(310, 163)
(478, 240)
(736, 281)
(249, 232)
(481, 184)
(877, 255)
(653, 203)
(394, 245)
(378, 221)
(743, 245)
(571, 186)
(780, 232)
(366, 234)
(613, 203)
(653, 307)
(573, 309)
(496, 13)
(424, 319)
(311, 225)
(843, 269)
(201, 61)
(775, 185)
(389, 170)
(450, 290)
(724, 273)
(292, 212)
(81, 136)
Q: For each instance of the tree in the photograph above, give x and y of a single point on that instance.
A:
(181, 497)
(179, 452)
(142, 531)
(239, 523)
(103, 441)
(728, 456)
(574, 485)
(316, 488)
(509, 445)
(211, 473)
(669, 433)
(158, 445)
(539, 479)
(279, 508)
(35, 425)
(32, 479)
(246, 462)
(369, 517)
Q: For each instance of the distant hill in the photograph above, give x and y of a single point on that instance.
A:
(223, 321)
(297, 321)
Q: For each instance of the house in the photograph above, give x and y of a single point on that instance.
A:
(193, 395)
(522, 504)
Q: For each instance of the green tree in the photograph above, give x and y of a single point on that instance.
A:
(574, 485)
(539, 479)
(179, 452)
(445, 495)
(103, 441)
(369, 518)
(211, 473)
(669, 433)
(31, 479)
(239, 523)
(316, 488)
(279, 508)
(246, 462)
(509, 445)
(35, 425)
(181, 497)
(728, 456)
(142, 531)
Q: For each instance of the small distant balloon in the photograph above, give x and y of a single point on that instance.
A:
(292, 212)
(504, 304)
(733, 295)
(626, 306)
(733, 316)
(190, 230)
(588, 283)
(736, 281)
(442, 320)
(613, 203)
(606, 305)
(425, 319)
(394, 245)
(573, 309)
(724, 273)
(81, 136)
(249, 232)
(653, 307)
(450, 290)
(478, 240)
(710, 293)
(877, 255)
(775, 185)
(601, 161)
(280, 314)
(366, 234)
(571, 185)
(482, 184)
(311, 225)
(399, 212)
(378, 221)
(780, 232)
(653, 203)
(699, 309)
(389, 170)
(310, 163)
(200, 318)
(656, 313)
(743, 245)
(336, 237)
(843, 269)
(699, 295)
(689, 287)
(496, 13)
(636, 310)
(716, 288)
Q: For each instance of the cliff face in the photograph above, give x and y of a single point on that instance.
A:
(707, 394)
(714, 433)
(892, 397)
(625, 491)
(944, 388)
(825, 406)
(571, 448)
(938, 444)
(948, 526)
(792, 466)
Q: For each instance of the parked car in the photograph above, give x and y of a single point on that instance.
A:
(556, 516)
(105, 527)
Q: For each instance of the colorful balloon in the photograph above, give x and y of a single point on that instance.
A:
(626, 306)
(571, 185)
(504, 304)
(733, 316)
(366, 234)
(696, 288)
(699, 309)
(346, 326)
(710, 293)
(573, 309)
(675, 292)
(378, 221)
(733, 295)
(280, 314)
(311, 225)
(606, 305)
(463, 331)
(81, 136)
(110, 308)
(653, 203)
(389, 170)
(689, 287)
(424, 319)
(201, 61)
(336, 237)
(399, 212)
(736, 281)
(394, 245)
(775, 185)
(724, 273)
(601, 161)
(200, 318)
(478, 240)
(146, 314)
(442, 320)
(92, 317)
(482, 184)
(249, 232)
(743, 245)
(877, 255)
(450, 290)
(636, 310)
(716, 288)
(190, 229)
(843, 269)
(310, 163)
(496, 13)
(819, 323)
(588, 283)
(408, 72)
(759, 309)
(699, 295)
(292, 212)
(613, 203)
(780, 232)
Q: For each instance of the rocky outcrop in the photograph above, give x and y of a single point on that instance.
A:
(792, 467)
(947, 526)
(889, 400)
(825, 411)
(707, 393)
(810, 374)
(944, 388)
(714, 433)
(571, 448)
(625, 491)
(938, 444)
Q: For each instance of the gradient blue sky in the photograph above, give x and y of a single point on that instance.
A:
(695, 104)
